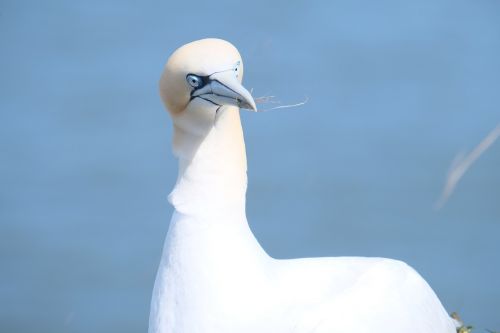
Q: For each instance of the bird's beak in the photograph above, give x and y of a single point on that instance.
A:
(224, 88)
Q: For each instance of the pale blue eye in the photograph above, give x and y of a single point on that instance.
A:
(194, 80)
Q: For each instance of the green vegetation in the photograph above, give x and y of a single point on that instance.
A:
(465, 328)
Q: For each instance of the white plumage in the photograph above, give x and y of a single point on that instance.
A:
(214, 277)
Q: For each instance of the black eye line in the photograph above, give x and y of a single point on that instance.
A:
(204, 80)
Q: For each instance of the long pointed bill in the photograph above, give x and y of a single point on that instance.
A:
(225, 89)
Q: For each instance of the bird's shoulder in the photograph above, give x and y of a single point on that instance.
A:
(374, 289)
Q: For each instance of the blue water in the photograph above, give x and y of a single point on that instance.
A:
(396, 90)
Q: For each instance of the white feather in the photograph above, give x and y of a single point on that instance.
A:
(214, 277)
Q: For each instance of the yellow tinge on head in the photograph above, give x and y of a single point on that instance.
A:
(218, 67)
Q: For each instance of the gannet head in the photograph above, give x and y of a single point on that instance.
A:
(199, 79)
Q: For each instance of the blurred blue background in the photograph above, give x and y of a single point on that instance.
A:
(396, 89)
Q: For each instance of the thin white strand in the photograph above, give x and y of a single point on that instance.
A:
(462, 162)
(267, 99)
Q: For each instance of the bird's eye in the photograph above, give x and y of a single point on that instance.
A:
(194, 80)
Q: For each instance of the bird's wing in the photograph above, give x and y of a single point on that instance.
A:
(369, 295)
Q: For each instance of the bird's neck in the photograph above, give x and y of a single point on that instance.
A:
(212, 176)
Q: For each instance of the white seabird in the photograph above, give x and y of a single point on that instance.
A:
(214, 277)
